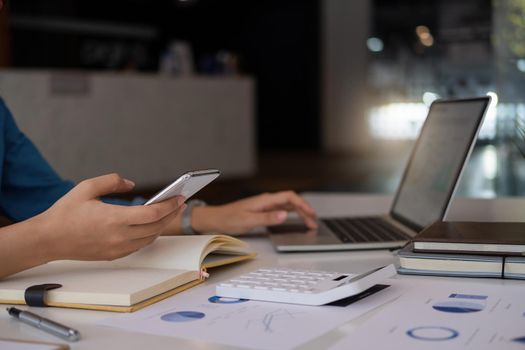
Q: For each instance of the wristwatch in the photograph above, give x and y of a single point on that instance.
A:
(186, 216)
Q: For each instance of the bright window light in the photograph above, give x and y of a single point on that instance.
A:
(375, 44)
(520, 64)
(490, 162)
(429, 97)
(397, 121)
(403, 121)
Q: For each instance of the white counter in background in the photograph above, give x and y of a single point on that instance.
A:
(148, 128)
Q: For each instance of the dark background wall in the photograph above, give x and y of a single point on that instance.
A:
(277, 42)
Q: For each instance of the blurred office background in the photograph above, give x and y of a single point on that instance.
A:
(324, 95)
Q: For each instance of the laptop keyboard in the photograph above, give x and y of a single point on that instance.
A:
(365, 229)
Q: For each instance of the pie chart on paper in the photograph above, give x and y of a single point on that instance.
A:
(519, 340)
(432, 333)
(222, 300)
(182, 316)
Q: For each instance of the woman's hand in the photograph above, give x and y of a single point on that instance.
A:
(81, 227)
(246, 214)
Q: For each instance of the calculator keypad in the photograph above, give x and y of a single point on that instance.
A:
(281, 280)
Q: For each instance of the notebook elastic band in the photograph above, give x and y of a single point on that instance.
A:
(36, 295)
(503, 267)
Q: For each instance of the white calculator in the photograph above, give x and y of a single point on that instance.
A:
(305, 287)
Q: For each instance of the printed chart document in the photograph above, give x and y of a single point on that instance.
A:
(446, 315)
(200, 315)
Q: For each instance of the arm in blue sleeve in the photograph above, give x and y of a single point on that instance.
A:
(29, 185)
(118, 201)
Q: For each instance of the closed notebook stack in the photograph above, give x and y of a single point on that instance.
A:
(467, 249)
(460, 265)
(498, 238)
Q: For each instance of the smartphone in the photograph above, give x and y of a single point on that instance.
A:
(186, 185)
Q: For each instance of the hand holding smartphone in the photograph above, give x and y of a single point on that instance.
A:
(186, 185)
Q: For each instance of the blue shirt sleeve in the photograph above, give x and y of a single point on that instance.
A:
(29, 185)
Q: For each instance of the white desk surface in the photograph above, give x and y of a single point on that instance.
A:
(96, 337)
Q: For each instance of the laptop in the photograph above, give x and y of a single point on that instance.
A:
(424, 194)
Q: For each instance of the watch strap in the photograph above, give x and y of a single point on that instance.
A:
(186, 216)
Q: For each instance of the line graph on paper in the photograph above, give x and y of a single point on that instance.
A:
(273, 320)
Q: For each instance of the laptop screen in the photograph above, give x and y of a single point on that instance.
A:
(437, 160)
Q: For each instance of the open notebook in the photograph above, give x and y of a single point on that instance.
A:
(166, 267)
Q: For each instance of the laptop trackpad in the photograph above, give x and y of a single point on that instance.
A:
(288, 234)
(289, 228)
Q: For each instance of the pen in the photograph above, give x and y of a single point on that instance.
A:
(44, 324)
